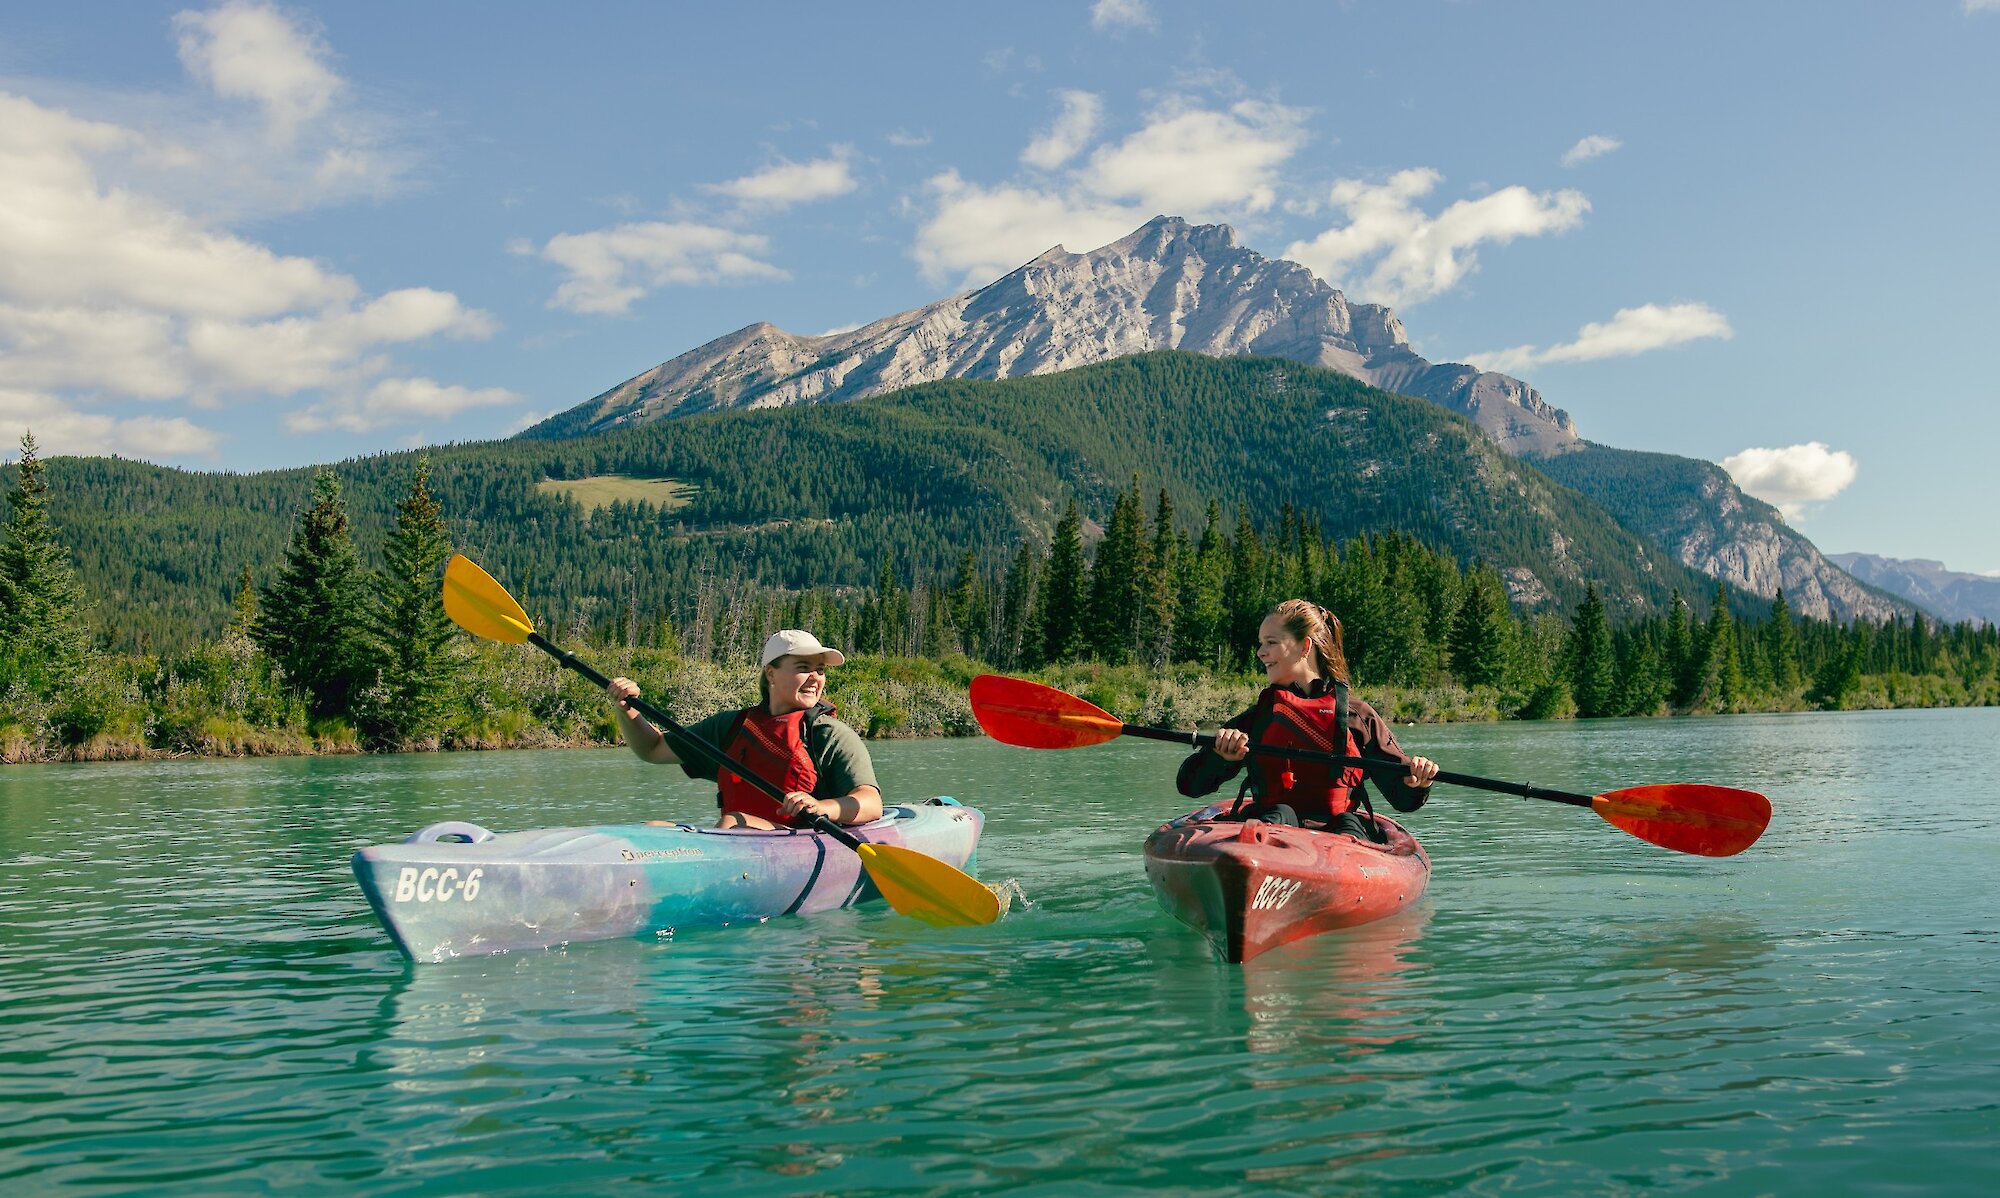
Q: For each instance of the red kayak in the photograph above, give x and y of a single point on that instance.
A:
(1249, 886)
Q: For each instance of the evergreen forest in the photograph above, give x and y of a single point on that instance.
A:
(1117, 530)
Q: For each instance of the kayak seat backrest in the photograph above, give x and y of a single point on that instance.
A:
(455, 831)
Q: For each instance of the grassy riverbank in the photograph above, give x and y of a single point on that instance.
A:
(224, 700)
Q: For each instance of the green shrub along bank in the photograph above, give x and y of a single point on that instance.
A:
(1155, 626)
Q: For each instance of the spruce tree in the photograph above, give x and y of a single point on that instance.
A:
(1242, 593)
(43, 638)
(311, 617)
(1781, 644)
(1200, 617)
(1162, 585)
(1593, 667)
(1481, 630)
(412, 633)
(243, 611)
(1679, 655)
(1116, 579)
(1017, 619)
(1061, 601)
(1721, 684)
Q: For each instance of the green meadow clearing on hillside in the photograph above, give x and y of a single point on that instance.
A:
(604, 490)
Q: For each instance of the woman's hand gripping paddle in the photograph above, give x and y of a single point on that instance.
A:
(1709, 821)
(914, 883)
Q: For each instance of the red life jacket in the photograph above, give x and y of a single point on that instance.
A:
(772, 748)
(1314, 789)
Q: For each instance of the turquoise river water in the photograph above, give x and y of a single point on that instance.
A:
(197, 1000)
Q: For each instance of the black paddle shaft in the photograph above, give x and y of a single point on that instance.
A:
(1203, 740)
(670, 726)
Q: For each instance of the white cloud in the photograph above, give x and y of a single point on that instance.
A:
(1071, 132)
(63, 429)
(975, 233)
(790, 183)
(1595, 146)
(1122, 14)
(252, 52)
(1631, 331)
(1415, 256)
(1194, 161)
(1972, 6)
(904, 139)
(396, 401)
(298, 353)
(1186, 160)
(1793, 477)
(111, 293)
(611, 268)
(66, 239)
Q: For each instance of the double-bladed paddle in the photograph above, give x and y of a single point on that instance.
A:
(1709, 821)
(915, 884)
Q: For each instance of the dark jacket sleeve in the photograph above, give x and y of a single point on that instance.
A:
(1202, 771)
(1377, 739)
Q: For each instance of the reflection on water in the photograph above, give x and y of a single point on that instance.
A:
(1339, 991)
(198, 1001)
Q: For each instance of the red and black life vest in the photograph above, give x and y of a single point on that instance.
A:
(1314, 790)
(774, 748)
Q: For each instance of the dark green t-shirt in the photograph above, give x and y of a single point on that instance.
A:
(837, 751)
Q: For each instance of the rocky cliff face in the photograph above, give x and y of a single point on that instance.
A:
(1169, 285)
(1172, 285)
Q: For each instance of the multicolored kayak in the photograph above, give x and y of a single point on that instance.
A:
(1249, 886)
(455, 889)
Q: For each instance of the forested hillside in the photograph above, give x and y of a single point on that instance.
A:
(829, 495)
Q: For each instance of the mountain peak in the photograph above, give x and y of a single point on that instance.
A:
(1166, 285)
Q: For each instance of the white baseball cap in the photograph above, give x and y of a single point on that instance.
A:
(799, 643)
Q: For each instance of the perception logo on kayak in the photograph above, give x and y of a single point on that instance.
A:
(657, 854)
(437, 885)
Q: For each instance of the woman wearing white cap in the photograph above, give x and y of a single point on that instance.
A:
(790, 739)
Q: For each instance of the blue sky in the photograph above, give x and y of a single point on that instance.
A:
(241, 236)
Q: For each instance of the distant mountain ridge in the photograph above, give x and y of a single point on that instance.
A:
(1167, 285)
(1172, 285)
(1950, 595)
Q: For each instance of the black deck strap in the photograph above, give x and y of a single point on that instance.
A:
(1377, 832)
(819, 863)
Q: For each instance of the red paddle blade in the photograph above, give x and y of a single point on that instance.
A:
(1032, 716)
(1709, 821)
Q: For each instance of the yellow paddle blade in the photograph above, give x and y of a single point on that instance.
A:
(926, 888)
(482, 606)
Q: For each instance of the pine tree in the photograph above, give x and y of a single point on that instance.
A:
(1116, 581)
(1781, 645)
(1162, 585)
(1593, 667)
(1481, 630)
(1721, 680)
(967, 608)
(1062, 595)
(1201, 618)
(1243, 601)
(412, 633)
(312, 613)
(1679, 652)
(243, 612)
(1643, 690)
(1017, 621)
(43, 638)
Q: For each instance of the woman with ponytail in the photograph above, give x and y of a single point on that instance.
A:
(1307, 706)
